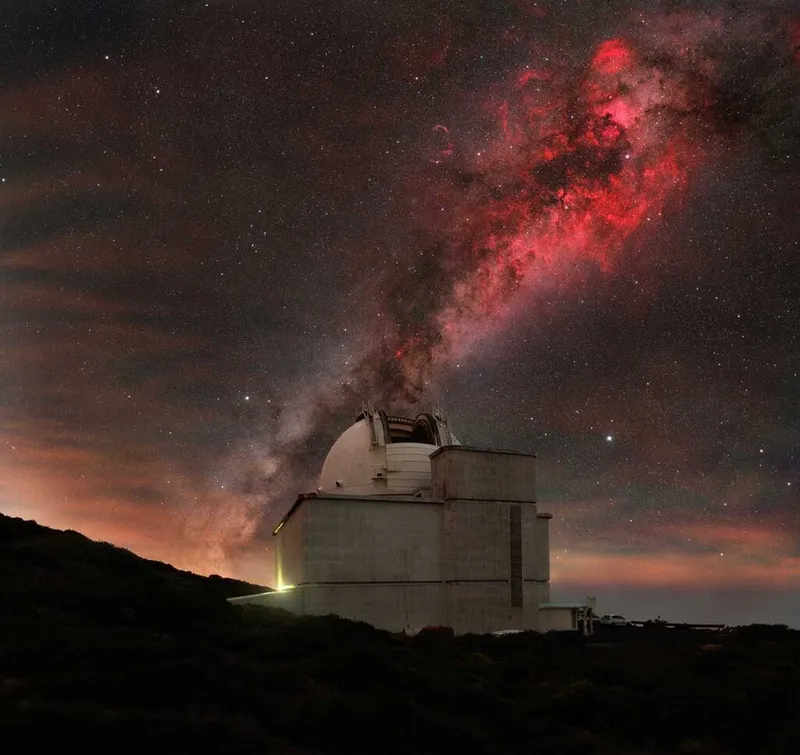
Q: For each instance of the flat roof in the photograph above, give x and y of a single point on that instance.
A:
(390, 498)
(483, 450)
(564, 604)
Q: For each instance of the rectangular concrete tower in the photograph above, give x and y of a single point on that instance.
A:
(495, 558)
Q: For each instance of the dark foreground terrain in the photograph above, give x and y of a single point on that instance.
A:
(101, 651)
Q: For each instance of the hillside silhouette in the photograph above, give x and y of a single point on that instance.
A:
(103, 651)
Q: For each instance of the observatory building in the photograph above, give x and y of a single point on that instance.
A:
(408, 528)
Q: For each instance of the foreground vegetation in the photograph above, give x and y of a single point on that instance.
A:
(107, 652)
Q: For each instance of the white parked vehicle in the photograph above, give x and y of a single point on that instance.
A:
(614, 619)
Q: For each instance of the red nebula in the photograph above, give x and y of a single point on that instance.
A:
(612, 57)
(575, 171)
(443, 146)
(532, 75)
(579, 163)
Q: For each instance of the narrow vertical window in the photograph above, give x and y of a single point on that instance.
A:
(515, 552)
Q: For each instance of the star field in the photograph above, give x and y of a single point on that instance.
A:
(224, 225)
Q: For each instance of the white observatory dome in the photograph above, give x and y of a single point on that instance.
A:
(384, 454)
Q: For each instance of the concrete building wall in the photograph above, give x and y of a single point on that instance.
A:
(536, 544)
(477, 565)
(291, 550)
(557, 619)
(476, 540)
(481, 607)
(462, 472)
(365, 540)
(535, 593)
(388, 606)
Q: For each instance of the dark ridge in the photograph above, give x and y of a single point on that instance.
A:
(117, 654)
(62, 575)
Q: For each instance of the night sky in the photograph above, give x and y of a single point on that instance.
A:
(573, 226)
